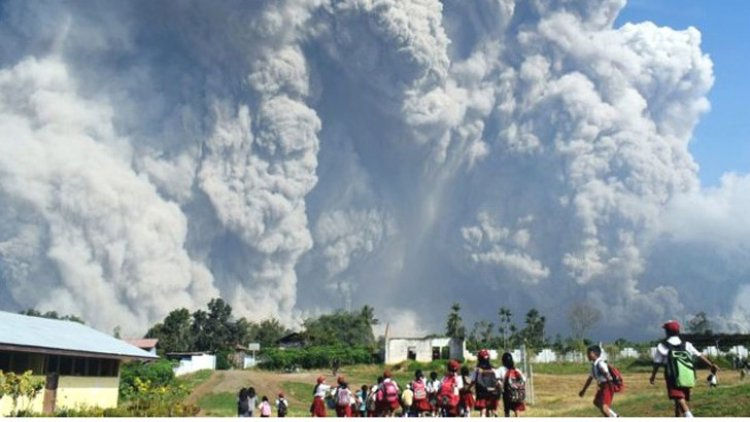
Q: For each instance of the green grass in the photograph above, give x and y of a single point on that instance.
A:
(723, 401)
(219, 404)
(196, 378)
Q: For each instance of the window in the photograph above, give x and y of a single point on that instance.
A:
(20, 363)
(53, 364)
(79, 367)
(5, 361)
(109, 368)
(411, 353)
(66, 365)
(94, 367)
(435, 353)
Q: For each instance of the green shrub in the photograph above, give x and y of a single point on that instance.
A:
(315, 357)
(222, 359)
(158, 373)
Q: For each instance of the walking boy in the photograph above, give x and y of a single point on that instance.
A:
(605, 389)
(677, 358)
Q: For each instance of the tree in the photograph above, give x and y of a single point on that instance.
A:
(481, 335)
(174, 333)
(506, 327)
(700, 324)
(352, 329)
(582, 316)
(268, 332)
(533, 333)
(454, 327)
(52, 315)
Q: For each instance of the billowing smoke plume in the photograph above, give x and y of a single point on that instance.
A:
(295, 156)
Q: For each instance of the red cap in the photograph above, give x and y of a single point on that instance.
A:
(281, 394)
(453, 365)
(483, 354)
(321, 379)
(672, 326)
(341, 380)
(387, 374)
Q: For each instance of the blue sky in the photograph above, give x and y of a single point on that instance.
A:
(721, 142)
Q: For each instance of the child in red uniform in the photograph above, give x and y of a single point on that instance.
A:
(605, 390)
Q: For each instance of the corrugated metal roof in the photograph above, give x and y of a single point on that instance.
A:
(37, 332)
(142, 343)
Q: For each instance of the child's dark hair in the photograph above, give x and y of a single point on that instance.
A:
(507, 360)
(380, 380)
(251, 392)
(243, 394)
(418, 374)
(465, 371)
(433, 375)
(264, 398)
(595, 349)
(364, 387)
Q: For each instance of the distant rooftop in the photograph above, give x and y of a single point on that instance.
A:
(143, 343)
(27, 333)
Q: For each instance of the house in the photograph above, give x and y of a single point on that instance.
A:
(145, 344)
(244, 357)
(423, 349)
(192, 361)
(80, 365)
(292, 341)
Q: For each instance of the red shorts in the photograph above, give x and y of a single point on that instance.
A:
(676, 393)
(467, 400)
(422, 405)
(604, 395)
(344, 411)
(489, 403)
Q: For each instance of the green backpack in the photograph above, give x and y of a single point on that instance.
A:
(680, 367)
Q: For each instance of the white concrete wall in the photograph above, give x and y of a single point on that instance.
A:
(628, 352)
(740, 351)
(195, 363)
(545, 356)
(397, 349)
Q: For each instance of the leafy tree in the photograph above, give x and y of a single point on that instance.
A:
(481, 336)
(342, 328)
(52, 315)
(454, 326)
(506, 327)
(533, 333)
(267, 332)
(174, 333)
(700, 324)
(582, 316)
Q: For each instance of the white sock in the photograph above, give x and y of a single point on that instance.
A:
(688, 414)
(612, 413)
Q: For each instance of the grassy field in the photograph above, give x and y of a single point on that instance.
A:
(556, 387)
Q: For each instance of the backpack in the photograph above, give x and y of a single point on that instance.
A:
(343, 397)
(282, 408)
(447, 396)
(487, 384)
(372, 401)
(388, 393)
(515, 386)
(680, 367)
(420, 392)
(617, 383)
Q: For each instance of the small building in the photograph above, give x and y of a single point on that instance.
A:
(80, 365)
(192, 362)
(145, 344)
(292, 341)
(244, 357)
(423, 349)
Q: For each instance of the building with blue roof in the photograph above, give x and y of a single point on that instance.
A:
(80, 365)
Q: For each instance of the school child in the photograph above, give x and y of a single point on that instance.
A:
(372, 398)
(242, 408)
(343, 398)
(407, 400)
(514, 386)
(713, 381)
(282, 405)
(676, 356)
(362, 401)
(600, 373)
(421, 404)
(318, 406)
(252, 399)
(388, 395)
(433, 388)
(448, 397)
(488, 386)
(466, 397)
(265, 408)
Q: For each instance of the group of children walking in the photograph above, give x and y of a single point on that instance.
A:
(462, 389)
(247, 400)
(457, 393)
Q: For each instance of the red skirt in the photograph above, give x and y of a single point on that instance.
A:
(422, 405)
(467, 400)
(604, 395)
(677, 393)
(489, 403)
(344, 411)
(318, 408)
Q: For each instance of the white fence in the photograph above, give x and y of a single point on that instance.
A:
(195, 363)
